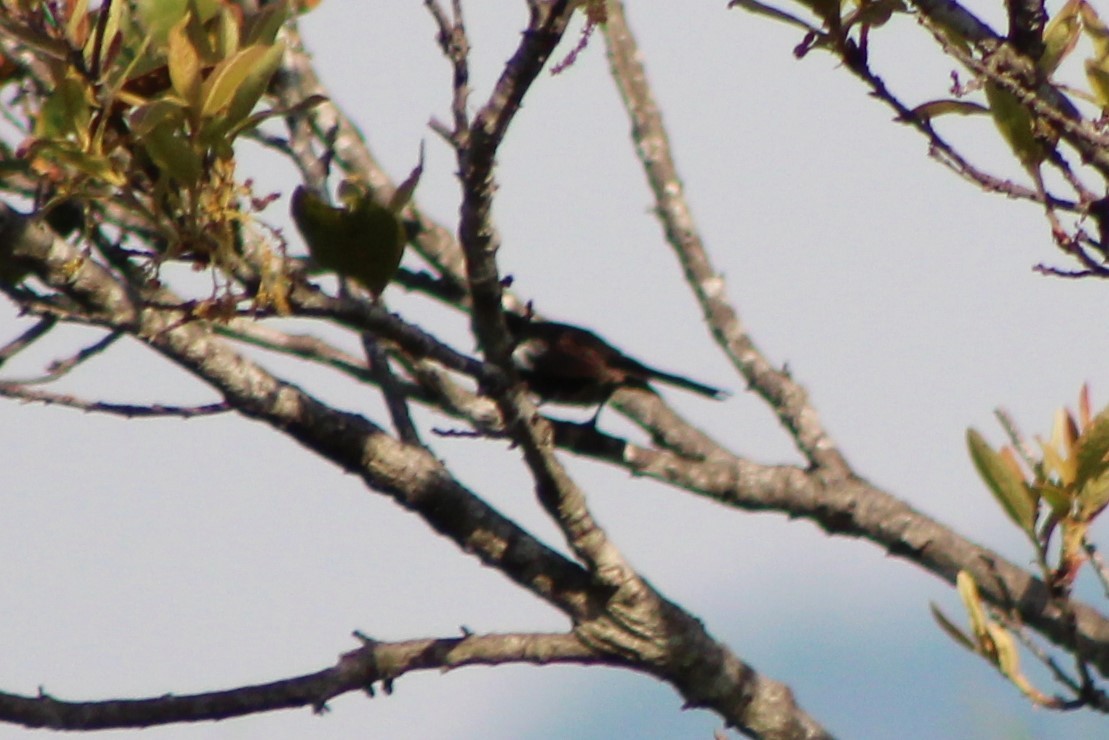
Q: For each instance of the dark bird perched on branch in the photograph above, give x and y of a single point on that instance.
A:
(567, 364)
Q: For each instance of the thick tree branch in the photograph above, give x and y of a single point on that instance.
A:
(667, 429)
(618, 619)
(837, 502)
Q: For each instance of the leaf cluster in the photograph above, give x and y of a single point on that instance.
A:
(141, 105)
(1063, 489)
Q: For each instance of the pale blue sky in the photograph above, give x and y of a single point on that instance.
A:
(143, 557)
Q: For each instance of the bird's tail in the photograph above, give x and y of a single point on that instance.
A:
(689, 385)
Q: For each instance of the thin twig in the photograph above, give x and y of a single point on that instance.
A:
(1085, 690)
(62, 367)
(455, 45)
(307, 301)
(304, 346)
(395, 401)
(940, 149)
(1098, 566)
(21, 393)
(36, 331)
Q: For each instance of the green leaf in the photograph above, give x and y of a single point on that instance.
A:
(1093, 496)
(159, 16)
(1014, 121)
(1097, 74)
(754, 6)
(876, 13)
(77, 26)
(66, 112)
(239, 81)
(935, 108)
(1006, 655)
(162, 111)
(119, 15)
(254, 86)
(972, 602)
(952, 631)
(1060, 36)
(408, 187)
(826, 10)
(256, 119)
(262, 27)
(1007, 486)
(184, 63)
(1092, 449)
(1096, 30)
(1058, 499)
(1092, 476)
(173, 156)
(228, 33)
(364, 242)
(69, 154)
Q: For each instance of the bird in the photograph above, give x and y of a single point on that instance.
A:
(563, 363)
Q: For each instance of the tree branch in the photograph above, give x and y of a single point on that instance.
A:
(129, 410)
(60, 368)
(357, 670)
(303, 346)
(855, 508)
(378, 360)
(785, 397)
(476, 149)
(35, 332)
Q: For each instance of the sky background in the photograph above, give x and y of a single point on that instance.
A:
(152, 556)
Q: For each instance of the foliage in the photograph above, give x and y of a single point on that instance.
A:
(1064, 490)
(141, 109)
